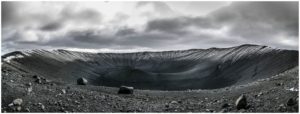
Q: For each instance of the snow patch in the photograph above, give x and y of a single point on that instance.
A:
(9, 58)
(293, 89)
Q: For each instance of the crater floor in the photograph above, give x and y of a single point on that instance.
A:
(267, 95)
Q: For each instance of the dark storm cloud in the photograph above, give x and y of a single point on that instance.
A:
(178, 25)
(147, 39)
(259, 19)
(90, 36)
(51, 26)
(8, 13)
(73, 38)
(125, 31)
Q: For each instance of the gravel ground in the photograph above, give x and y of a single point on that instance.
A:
(26, 92)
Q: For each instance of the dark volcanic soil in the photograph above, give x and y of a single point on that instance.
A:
(28, 86)
(268, 95)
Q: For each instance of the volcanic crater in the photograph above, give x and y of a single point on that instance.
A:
(168, 70)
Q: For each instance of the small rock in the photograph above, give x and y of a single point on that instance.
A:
(82, 81)
(222, 111)
(35, 76)
(225, 105)
(29, 84)
(11, 104)
(180, 102)
(291, 102)
(279, 84)
(209, 110)
(77, 102)
(18, 102)
(282, 108)
(19, 108)
(241, 102)
(47, 81)
(63, 91)
(242, 110)
(125, 90)
(29, 89)
(216, 100)
(174, 102)
(39, 81)
(167, 105)
(27, 109)
(81, 97)
(42, 107)
(259, 94)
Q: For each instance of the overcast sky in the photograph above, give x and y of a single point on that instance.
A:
(140, 26)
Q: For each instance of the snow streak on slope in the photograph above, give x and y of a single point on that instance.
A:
(169, 70)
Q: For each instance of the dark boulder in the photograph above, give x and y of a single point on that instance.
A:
(125, 90)
(241, 102)
(82, 81)
(291, 102)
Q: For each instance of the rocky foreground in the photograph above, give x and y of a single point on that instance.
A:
(23, 91)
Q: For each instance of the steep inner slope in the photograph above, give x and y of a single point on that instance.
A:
(169, 70)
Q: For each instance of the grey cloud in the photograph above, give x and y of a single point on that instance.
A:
(8, 13)
(252, 21)
(82, 16)
(14, 16)
(148, 39)
(259, 18)
(178, 25)
(159, 7)
(175, 25)
(51, 26)
(125, 31)
(90, 36)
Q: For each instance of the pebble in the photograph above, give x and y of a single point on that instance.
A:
(209, 110)
(19, 108)
(29, 89)
(35, 76)
(42, 106)
(282, 108)
(174, 102)
(29, 84)
(39, 81)
(225, 105)
(18, 101)
(27, 109)
(279, 84)
(10, 105)
(222, 111)
(63, 91)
